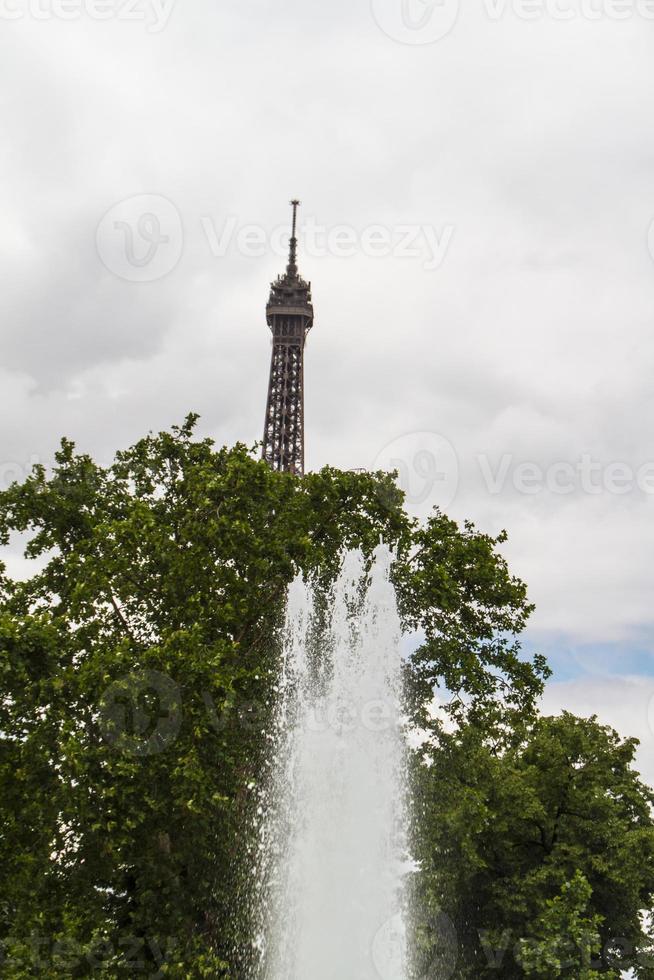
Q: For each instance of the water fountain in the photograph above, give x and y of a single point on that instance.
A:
(333, 815)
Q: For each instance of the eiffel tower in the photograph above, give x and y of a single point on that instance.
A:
(290, 317)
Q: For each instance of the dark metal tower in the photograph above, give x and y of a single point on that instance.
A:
(290, 317)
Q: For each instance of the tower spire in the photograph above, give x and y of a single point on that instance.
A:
(290, 317)
(292, 257)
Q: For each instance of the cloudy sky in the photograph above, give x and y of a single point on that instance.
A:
(478, 189)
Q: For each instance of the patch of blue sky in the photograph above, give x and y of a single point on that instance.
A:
(571, 660)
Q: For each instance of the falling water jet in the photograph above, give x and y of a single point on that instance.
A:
(333, 818)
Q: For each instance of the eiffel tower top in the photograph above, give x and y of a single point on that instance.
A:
(289, 293)
(290, 317)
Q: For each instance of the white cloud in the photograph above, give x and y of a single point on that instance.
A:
(534, 338)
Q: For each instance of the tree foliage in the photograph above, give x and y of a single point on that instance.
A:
(567, 938)
(137, 666)
(538, 850)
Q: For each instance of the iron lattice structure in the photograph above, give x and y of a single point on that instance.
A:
(290, 317)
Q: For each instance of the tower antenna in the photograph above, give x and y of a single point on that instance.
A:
(292, 258)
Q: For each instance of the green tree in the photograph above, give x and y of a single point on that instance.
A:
(566, 939)
(138, 664)
(505, 823)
